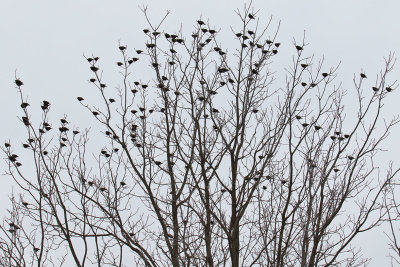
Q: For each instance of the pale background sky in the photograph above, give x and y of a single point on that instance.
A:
(45, 41)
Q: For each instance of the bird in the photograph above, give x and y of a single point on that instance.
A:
(150, 45)
(80, 98)
(112, 100)
(63, 121)
(18, 82)
(350, 157)
(298, 117)
(389, 89)
(222, 70)
(299, 48)
(375, 89)
(94, 68)
(255, 110)
(122, 48)
(304, 124)
(251, 16)
(119, 63)
(24, 104)
(304, 84)
(200, 22)
(317, 127)
(324, 74)
(139, 51)
(92, 80)
(363, 75)
(304, 65)
(75, 132)
(146, 30)
(25, 145)
(122, 183)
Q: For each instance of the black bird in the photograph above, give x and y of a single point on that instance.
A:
(363, 75)
(298, 117)
(333, 137)
(63, 121)
(215, 110)
(304, 124)
(304, 84)
(151, 45)
(350, 157)
(94, 68)
(120, 63)
(212, 31)
(146, 30)
(80, 98)
(139, 51)
(24, 104)
(25, 203)
(231, 80)
(18, 82)
(346, 136)
(25, 145)
(376, 89)
(122, 48)
(299, 48)
(95, 113)
(92, 80)
(122, 183)
(167, 35)
(75, 132)
(222, 70)
(250, 32)
(389, 89)
(7, 145)
(304, 65)
(255, 110)
(317, 127)
(324, 74)
(112, 100)
(275, 51)
(251, 16)
(200, 22)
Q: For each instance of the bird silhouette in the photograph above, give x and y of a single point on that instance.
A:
(363, 75)
(389, 89)
(80, 98)
(18, 82)
(24, 104)
(251, 16)
(375, 89)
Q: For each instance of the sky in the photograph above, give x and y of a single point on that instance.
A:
(44, 43)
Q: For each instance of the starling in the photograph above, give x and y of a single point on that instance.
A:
(299, 48)
(103, 85)
(214, 110)
(7, 145)
(75, 132)
(95, 113)
(277, 44)
(94, 68)
(151, 45)
(122, 48)
(18, 82)
(212, 31)
(25, 203)
(156, 33)
(200, 22)
(144, 86)
(120, 63)
(376, 89)
(317, 127)
(45, 153)
(122, 183)
(102, 189)
(222, 70)
(251, 16)
(313, 85)
(250, 32)
(264, 187)
(350, 157)
(389, 89)
(134, 91)
(363, 75)
(80, 98)
(134, 59)
(298, 117)
(24, 104)
(177, 93)
(158, 163)
(201, 98)
(195, 35)
(63, 121)
(155, 65)
(304, 65)
(304, 124)
(275, 51)
(139, 51)
(255, 110)
(18, 164)
(136, 83)
(304, 84)
(171, 63)
(90, 183)
(324, 74)
(333, 137)
(92, 80)
(265, 51)
(346, 136)
(146, 31)
(238, 34)
(167, 35)
(112, 100)
(212, 92)
(231, 80)
(25, 145)
(336, 170)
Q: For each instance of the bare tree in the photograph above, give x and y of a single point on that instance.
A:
(210, 163)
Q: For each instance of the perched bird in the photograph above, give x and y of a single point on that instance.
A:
(304, 65)
(120, 63)
(139, 51)
(299, 48)
(80, 98)
(200, 22)
(255, 110)
(92, 80)
(304, 84)
(146, 30)
(122, 48)
(112, 100)
(304, 124)
(18, 82)
(298, 117)
(389, 89)
(363, 75)
(24, 104)
(317, 127)
(350, 157)
(375, 89)
(63, 121)
(75, 132)
(251, 16)
(7, 145)
(324, 74)
(94, 68)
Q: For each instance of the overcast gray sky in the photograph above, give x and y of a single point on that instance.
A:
(45, 41)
